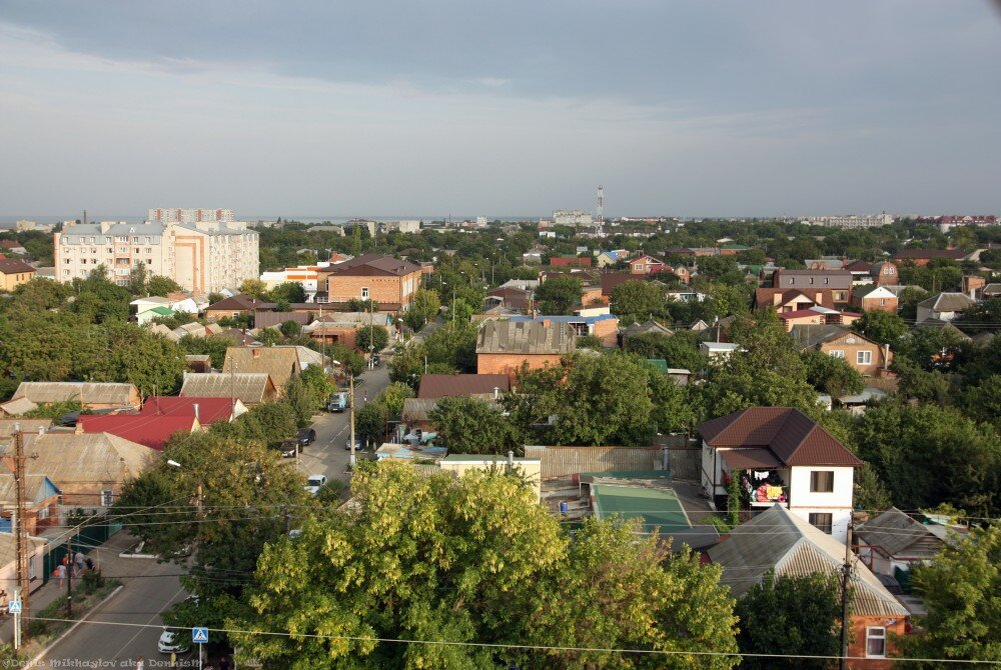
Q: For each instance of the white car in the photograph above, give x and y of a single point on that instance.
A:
(315, 483)
(174, 640)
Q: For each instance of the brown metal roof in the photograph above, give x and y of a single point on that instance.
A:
(441, 386)
(373, 264)
(750, 459)
(793, 437)
(12, 266)
(240, 303)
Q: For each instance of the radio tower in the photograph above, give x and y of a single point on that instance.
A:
(601, 204)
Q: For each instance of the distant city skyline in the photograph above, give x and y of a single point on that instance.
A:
(727, 109)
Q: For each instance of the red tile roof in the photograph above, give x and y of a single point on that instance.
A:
(151, 431)
(792, 436)
(210, 410)
(441, 386)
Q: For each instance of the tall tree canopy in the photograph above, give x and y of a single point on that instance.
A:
(558, 295)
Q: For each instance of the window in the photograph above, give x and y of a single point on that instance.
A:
(639, 266)
(364, 293)
(888, 270)
(822, 481)
(822, 520)
(792, 280)
(811, 280)
(123, 250)
(149, 261)
(149, 250)
(837, 353)
(107, 240)
(827, 280)
(882, 302)
(875, 642)
(863, 357)
(107, 497)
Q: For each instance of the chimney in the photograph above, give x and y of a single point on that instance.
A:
(496, 392)
(41, 431)
(257, 352)
(886, 356)
(510, 459)
(197, 417)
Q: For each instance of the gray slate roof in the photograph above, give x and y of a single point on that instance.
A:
(248, 387)
(524, 337)
(807, 336)
(898, 534)
(948, 302)
(779, 540)
(92, 393)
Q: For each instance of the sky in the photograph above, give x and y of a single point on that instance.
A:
(516, 108)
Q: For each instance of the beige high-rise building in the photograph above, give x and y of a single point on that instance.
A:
(203, 256)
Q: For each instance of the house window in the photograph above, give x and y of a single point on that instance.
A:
(811, 280)
(822, 481)
(792, 280)
(837, 353)
(863, 357)
(107, 497)
(822, 520)
(875, 642)
(639, 266)
(882, 302)
(888, 270)
(827, 280)
(364, 293)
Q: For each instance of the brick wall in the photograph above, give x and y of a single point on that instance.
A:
(382, 289)
(567, 461)
(509, 364)
(607, 331)
(851, 355)
(875, 304)
(858, 641)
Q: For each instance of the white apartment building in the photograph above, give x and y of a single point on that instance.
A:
(853, 221)
(178, 215)
(572, 217)
(403, 226)
(203, 257)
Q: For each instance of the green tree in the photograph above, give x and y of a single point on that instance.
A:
(370, 423)
(983, 316)
(269, 336)
(298, 396)
(254, 287)
(983, 401)
(473, 559)
(680, 350)
(961, 588)
(160, 285)
(928, 455)
(290, 328)
(318, 385)
(152, 363)
(137, 280)
(373, 338)
(830, 375)
(931, 348)
(266, 424)
(472, 426)
(393, 396)
(216, 297)
(639, 300)
(286, 293)
(558, 295)
(883, 327)
(870, 493)
(214, 347)
(557, 404)
(799, 616)
(424, 307)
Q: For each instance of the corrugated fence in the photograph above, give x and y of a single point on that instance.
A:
(683, 457)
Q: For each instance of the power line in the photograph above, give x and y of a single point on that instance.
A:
(527, 647)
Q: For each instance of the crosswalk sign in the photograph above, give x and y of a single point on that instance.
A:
(14, 606)
(200, 635)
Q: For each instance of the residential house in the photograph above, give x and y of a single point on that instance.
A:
(885, 274)
(877, 300)
(992, 290)
(280, 362)
(41, 498)
(824, 264)
(861, 271)
(718, 352)
(533, 256)
(149, 430)
(732, 249)
(943, 307)
(838, 282)
(645, 265)
(893, 541)
(383, 279)
(794, 300)
(37, 550)
(89, 469)
(607, 258)
(867, 356)
(781, 456)
(272, 319)
(443, 386)
(142, 309)
(13, 273)
(780, 543)
(17, 407)
(645, 328)
(92, 396)
(331, 330)
(7, 426)
(926, 256)
(680, 376)
(235, 306)
(250, 388)
(530, 469)
(510, 297)
(503, 347)
(206, 411)
(609, 280)
(603, 326)
(802, 317)
(198, 363)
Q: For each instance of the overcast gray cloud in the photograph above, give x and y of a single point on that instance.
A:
(312, 108)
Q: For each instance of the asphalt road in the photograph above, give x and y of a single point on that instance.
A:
(327, 456)
(151, 587)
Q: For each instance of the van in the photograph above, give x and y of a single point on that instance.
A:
(338, 402)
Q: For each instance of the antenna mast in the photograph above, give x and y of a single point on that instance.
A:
(601, 204)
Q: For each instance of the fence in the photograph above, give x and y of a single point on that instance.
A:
(567, 461)
(684, 457)
(84, 538)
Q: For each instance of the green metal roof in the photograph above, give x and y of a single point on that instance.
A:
(656, 508)
(161, 310)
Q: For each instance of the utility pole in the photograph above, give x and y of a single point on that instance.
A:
(351, 410)
(19, 531)
(69, 578)
(846, 579)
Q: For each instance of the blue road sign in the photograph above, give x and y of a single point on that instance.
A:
(200, 635)
(14, 606)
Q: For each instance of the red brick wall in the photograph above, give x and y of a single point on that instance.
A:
(873, 305)
(509, 364)
(382, 289)
(607, 331)
(857, 645)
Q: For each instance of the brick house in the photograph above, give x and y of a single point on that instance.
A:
(792, 300)
(42, 503)
(13, 273)
(603, 326)
(838, 282)
(877, 300)
(388, 281)
(780, 542)
(149, 430)
(867, 356)
(645, 265)
(885, 274)
(503, 347)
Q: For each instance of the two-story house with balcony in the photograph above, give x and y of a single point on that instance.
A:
(780, 455)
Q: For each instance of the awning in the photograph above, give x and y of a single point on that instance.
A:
(750, 459)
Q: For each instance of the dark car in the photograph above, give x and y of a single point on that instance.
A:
(359, 445)
(306, 436)
(289, 448)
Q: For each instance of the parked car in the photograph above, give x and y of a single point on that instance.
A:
(359, 445)
(315, 483)
(289, 448)
(338, 402)
(376, 360)
(306, 436)
(174, 640)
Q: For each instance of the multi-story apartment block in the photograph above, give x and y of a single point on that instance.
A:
(175, 215)
(202, 257)
(852, 221)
